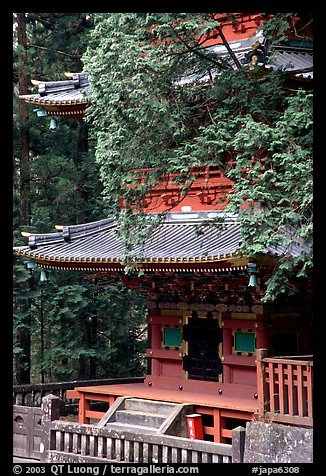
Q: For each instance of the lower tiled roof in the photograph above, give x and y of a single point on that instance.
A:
(175, 240)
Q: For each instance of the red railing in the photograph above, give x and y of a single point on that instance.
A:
(285, 388)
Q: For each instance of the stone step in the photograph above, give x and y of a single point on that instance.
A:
(151, 406)
(134, 417)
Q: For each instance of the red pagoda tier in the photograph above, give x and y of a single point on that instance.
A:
(205, 317)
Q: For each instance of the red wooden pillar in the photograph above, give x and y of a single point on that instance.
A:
(262, 334)
(156, 344)
(309, 390)
(217, 425)
(84, 405)
(155, 341)
(227, 350)
(261, 379)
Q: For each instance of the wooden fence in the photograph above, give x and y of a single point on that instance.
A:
(31, 427)
(27, 431)
(285, 388)
(76, 442)
(39, 434)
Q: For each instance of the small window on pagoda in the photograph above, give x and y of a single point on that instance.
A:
(172, 337)
(244, 343)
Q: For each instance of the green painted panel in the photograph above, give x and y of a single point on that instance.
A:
(244, 342)
(172, 337)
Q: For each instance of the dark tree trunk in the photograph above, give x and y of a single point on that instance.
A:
(93, 360)
(24, 337)
(23, 119)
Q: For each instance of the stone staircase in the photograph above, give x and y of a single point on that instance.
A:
(138, 415)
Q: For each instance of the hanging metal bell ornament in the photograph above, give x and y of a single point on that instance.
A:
(252, 268)
(53, 124)
(43, 276)
(252, 280)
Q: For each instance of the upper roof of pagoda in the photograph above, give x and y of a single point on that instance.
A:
(61, 98)
(183, 241)
(69, 97)
(295, 60)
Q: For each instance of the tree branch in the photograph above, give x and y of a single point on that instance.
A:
(56, 51)
(227, 46)
(47, 177)
(195, 51)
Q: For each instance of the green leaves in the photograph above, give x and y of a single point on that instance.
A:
(65, 188)
(142, 120)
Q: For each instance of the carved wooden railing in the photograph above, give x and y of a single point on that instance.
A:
(285, 388)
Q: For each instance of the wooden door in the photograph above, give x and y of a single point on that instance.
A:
(203, 336)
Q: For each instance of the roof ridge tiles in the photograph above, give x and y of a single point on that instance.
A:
(66, 232)
(91, 226)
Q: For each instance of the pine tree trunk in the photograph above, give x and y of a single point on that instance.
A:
(23, 119)
(24, 337)
(93, 360)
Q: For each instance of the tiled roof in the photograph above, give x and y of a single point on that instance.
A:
(292, 60)
(175, 240)
(275, 57)
(240, 49)
(68, 92)
(73, 92)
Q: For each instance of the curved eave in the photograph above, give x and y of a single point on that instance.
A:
(53, 102)
(208, 263)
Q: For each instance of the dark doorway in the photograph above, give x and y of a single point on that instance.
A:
(203, 336)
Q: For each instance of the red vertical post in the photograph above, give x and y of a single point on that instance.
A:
(281, 393)
(84, 405)
(227, 350)
(262, 335)
(309, 389)
(271, 384)
(195, 427)
(300, 390)
(290, 389)
(217, 425)
(261, 379)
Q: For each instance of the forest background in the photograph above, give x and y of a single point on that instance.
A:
(65, 328)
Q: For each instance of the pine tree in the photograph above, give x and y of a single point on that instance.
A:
(66, 319)
(249, 126)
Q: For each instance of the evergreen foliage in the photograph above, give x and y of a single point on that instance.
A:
(250, 126)
(65, 328)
